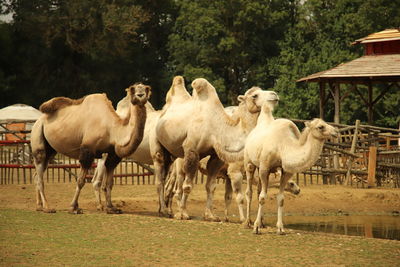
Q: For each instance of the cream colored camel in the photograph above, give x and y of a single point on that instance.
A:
(141, 154)
(84, 129)
(279, 144)
(195, 127)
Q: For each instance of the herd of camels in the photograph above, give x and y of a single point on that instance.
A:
(190, 132)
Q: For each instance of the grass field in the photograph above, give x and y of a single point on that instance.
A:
(29, 238)
(141, 238)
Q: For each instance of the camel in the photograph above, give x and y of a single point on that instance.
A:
(84, 129)
(279, 144)
(194, 127)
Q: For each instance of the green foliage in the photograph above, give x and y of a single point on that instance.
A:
(227, 42)
(74, 48)
(321, 39)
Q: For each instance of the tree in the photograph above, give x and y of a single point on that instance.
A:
(228, 42)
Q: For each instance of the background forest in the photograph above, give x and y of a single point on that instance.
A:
(73, 48)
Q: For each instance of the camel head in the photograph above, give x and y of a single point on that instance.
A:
(321, 130)
(255, 98)
(139, 93)
(202, 89)
(292, 187)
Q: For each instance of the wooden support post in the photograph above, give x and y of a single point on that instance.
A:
(321, 99)
(352, 150)
(372, 166)
(336, 99)
(370, 104)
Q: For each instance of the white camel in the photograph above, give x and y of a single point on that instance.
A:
(84, 129)
(279, 144)
(195, 127)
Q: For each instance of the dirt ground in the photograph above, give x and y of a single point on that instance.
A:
(142, 199)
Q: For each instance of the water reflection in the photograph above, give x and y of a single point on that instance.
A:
(387, 227)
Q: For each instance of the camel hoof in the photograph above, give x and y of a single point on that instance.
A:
(280, 232)
(39, 208)
(226, 220)
(113, 211)
(100, 208)
(247, 224)
(182, 216)
(164, 214)
(256, 230)
(211, 218)
(49, 210)
(75, 211)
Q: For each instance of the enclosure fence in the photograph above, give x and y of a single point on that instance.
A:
(362, 156)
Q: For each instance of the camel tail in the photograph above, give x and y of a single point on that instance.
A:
(57, 103)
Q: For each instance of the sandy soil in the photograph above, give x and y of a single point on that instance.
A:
(142, 199)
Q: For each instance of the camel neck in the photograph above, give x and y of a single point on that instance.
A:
(134, 130)
(306, 154)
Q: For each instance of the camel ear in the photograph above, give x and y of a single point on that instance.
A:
(148, 90)
(307, 123)
(241, 98)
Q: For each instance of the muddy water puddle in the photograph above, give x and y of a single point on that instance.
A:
(387, 227)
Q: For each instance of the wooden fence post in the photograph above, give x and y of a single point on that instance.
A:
(352, 150)
(372, 166)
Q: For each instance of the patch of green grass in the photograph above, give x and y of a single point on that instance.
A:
(30, 238)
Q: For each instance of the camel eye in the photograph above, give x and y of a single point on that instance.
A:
(255, 96)
(322, 127)
(291, 184)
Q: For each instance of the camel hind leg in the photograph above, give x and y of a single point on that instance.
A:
(86, 159)
(214, 165)
(98, 180)
(42, 154)
(250, 169)
(41, 161)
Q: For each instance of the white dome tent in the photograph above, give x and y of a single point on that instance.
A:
(17, 117)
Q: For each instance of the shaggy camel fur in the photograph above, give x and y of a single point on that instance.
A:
(141, 154)
(84, 129)
(195, 127)
(279, 144)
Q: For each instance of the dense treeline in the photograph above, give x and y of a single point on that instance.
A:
(73, 48)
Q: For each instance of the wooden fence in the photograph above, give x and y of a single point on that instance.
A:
(362, 156)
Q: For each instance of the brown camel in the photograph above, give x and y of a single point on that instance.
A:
(84, 129)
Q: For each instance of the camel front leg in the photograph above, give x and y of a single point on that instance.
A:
(280, 198)
(250, 169)
(264, 177)
(110, 164)
(214, 165)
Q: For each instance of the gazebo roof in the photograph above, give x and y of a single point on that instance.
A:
(382, 36)
(372, 67)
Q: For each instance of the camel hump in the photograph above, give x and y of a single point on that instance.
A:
(57, 103)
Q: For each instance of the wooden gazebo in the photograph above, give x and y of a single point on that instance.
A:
(379, 65)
